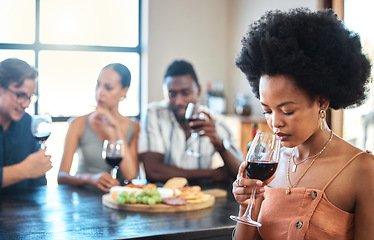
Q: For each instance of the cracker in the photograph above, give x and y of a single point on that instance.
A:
(175, 182)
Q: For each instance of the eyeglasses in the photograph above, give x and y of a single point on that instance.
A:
(22, 97)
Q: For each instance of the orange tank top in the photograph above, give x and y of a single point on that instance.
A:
(304, 214)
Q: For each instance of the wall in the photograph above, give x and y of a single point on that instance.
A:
(204, 32)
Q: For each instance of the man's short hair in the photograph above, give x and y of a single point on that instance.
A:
(180, 68)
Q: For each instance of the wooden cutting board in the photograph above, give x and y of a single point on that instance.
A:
(160, 207)
(216, 192)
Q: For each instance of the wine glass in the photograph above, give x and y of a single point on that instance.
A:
(191, 115)
(41, 126)
(113, 153)
(262, 159)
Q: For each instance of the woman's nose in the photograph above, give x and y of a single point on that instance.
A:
(277, 122)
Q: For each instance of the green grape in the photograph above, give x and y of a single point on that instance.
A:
(158, 198)
(132, 200)
(145, 199)
(157, 194)
(138, 199)
(151, 201)
(141, 194)
(123, 194)
(147, 192)
(121, 200)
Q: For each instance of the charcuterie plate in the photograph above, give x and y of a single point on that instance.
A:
(208, 201)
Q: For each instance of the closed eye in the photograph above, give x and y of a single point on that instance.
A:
(288, 113)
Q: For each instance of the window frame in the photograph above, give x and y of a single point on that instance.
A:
(37, 46)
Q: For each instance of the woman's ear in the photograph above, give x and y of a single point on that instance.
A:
(124, 92)
(324, 103)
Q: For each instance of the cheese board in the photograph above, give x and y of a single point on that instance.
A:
(208, 201)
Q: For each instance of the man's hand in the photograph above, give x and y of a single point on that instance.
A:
(36, 164)
(206, 128)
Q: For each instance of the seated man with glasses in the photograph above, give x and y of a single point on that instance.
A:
(22, 163)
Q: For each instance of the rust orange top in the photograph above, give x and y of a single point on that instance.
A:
(304, 214)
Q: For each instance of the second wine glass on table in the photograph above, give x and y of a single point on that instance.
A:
(192, 114)
(262, 158)
(41, 127)
(113, 153)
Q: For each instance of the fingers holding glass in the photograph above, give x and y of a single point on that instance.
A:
(262, 161)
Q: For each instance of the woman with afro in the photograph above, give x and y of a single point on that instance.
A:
(299, 63)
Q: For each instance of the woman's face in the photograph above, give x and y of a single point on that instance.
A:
(109, 89)
(289, 111)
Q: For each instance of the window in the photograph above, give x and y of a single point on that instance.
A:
(358, 125)
(70, 42)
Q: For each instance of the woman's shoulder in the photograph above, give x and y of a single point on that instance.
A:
(78, 121)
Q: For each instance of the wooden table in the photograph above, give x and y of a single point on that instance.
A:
(69, 212)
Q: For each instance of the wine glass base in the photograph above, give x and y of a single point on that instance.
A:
(247, 221)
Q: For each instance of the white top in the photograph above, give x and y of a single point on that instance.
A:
(160, 132)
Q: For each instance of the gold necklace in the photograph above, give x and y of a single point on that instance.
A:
(288, 191)
(294, 168)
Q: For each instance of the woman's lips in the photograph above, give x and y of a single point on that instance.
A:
(282, 136)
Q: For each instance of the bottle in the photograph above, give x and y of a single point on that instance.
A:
(254, 129)
(215, 97)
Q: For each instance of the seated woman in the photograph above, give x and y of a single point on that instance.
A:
(86, 135)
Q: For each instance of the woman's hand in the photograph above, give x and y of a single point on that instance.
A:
(103, 181)
(105, 120)
(242, 186)
(103, 116)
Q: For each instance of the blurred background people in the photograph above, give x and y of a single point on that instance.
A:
(87, 133)
(23, 163)
(165, 132)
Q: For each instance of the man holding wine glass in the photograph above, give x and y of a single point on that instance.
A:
(300, 63)
(23, 163)
(171, 146)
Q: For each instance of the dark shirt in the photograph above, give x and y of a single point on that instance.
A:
(16, 143)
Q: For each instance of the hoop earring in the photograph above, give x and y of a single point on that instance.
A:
(322, 115)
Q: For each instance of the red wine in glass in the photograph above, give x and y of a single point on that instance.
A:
(192, 114)
(42, 137)
(192, 120)
(261, 170)
(113, 161)
(113, 153)
(41, 126)
(262, 158)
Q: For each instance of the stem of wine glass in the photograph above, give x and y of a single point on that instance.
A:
(114, 172)
(190, 140)
(248, 211)
(42, 144)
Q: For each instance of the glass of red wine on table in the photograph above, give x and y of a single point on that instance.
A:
(191, 115)
(41, 126)
(262, 158)
(113, 153)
